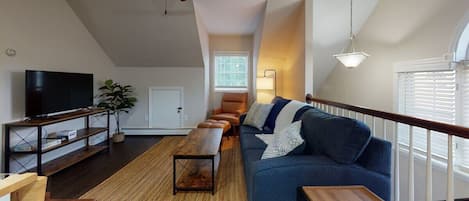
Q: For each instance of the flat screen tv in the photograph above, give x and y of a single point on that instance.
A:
(50, 92)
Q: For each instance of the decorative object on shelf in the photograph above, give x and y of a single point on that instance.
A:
(268, 82)
(351, 58)
(10, 52)
(117, 99)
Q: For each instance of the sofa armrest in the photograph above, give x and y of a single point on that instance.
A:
(377, 156)
(242, 117)
(279, 178)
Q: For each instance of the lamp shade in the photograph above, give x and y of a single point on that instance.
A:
(352, 59)
(265, 83)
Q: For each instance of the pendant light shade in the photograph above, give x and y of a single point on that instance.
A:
(351, 58)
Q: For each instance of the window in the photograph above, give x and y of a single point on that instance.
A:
(231, 71)
(439, 95)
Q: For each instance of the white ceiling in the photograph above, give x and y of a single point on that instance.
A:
(230, 17)
(394, 21)
(136, 33)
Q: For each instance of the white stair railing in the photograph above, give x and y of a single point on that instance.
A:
(355, 112)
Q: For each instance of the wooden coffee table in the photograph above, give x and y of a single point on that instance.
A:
(339, 193)
(200, 155)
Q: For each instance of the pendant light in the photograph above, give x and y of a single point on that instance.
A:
(351, 58)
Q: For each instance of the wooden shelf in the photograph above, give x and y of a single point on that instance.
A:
(81, 135)
(69, 159)
(56, 118)
(197, 174)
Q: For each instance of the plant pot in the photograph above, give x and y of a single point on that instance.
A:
(118, 137)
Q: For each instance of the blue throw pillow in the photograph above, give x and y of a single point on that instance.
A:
(269, 124)
(340, 138)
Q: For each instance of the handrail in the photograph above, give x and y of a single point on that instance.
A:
(449, 129)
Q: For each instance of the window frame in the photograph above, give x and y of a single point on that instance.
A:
(228, 88)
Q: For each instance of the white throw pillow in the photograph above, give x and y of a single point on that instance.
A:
(282, 142)
(257, 115)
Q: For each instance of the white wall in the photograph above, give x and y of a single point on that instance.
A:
(142, 78)
(205, 45)
(47, 35)
(399, 31)
(292, 76)
(229, 43)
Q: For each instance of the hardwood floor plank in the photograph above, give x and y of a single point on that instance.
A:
(149, 177)
(83, 176)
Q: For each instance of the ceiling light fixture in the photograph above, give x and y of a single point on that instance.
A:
(351, 58)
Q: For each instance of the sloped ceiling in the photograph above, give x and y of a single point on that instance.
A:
(278, 29)
(331, 31)
(137, 33)
(228, 17)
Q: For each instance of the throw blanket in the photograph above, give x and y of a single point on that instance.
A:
(286, 115)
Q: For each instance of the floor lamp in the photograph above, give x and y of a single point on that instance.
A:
(268, 81)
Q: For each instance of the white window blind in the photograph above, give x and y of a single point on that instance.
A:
(439, 96)
(428, 95)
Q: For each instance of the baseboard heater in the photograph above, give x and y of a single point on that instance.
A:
(156, 131)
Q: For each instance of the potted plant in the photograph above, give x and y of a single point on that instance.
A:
(117, 99)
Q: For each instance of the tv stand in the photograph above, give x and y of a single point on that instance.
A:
(66, 160)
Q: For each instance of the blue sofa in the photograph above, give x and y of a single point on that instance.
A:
(336, 151)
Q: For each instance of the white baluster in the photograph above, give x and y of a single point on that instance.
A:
(411, 163)
(373, 125)
(356, 115)
(396, 162)
(429, 166)
(337, 111)
(450, 182)
(384, 129)
(343, 112)
(350, 113)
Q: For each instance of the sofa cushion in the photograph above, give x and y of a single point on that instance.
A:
(283, 142)
(248, 130)
(342, 139)
(251, 142)
(252, 155)
(276, 108)
(257, 115)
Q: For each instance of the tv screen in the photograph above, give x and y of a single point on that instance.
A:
(50, 92)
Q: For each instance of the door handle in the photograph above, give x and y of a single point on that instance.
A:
(179, 109)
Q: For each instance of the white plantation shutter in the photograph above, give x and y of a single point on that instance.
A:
(463, 144)
(428, 95)
(437, 94)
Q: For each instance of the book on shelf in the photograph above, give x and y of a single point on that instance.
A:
(53, 136)
(31, 146)
(70, 134)
(63, 135)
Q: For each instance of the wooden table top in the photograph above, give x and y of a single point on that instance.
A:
(339, 193)
(200, 143)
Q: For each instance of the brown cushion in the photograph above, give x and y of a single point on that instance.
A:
(232, 118)
(211, 123)
(234, 103)
(232, 107)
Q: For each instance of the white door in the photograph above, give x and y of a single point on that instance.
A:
(165, 109)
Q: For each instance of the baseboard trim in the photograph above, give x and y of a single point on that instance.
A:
(156, 131)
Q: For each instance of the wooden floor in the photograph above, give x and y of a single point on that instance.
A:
(83, 176)
(149, 177)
